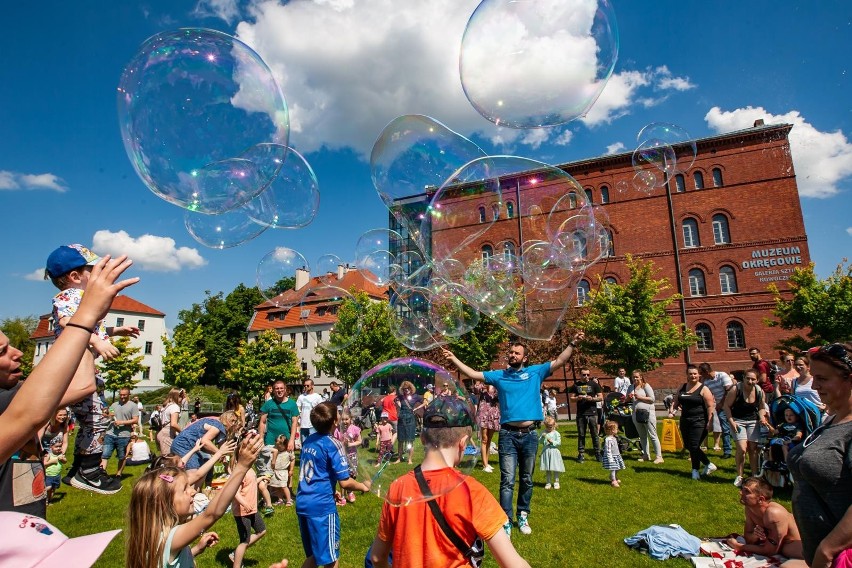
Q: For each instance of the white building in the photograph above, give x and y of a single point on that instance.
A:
(304, 319)
(123, 311)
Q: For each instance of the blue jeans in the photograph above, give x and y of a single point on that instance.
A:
(726, 431)
(516, 450)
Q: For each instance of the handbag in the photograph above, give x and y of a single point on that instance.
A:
(642, 415)
(474, 552)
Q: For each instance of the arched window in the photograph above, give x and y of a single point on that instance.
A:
(699, 180)
(728, 280)
(482, 214)
(690, 233)
(508, 250)
(495, 211)
(589, 196)
(721, 235)
(510, 210)
(487, 252)
(705, 337)
(572, 200)
(607, 243)
(717, 177)
(579, 243)
(583, 289)
(610, 280)
(604, 194)
(736, 335)
(697, 287)
(680, 184)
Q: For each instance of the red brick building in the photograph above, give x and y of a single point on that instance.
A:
(721, 232)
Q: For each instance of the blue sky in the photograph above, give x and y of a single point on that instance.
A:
(347, 68)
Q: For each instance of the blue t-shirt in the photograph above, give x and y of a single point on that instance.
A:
(322, 464)
(187, 438)
(519, 391)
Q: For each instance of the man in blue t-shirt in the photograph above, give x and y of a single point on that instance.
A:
(518, 388)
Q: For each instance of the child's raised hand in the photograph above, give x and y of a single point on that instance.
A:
(199, 444)
(249, 448)
(105, 349)
(102, 288)
(208, 539)
(126, 330)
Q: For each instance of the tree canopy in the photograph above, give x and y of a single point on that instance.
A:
(820, 308)
(119, 372)
(19, 330)
(261, 362)
(183, 362)
(628, 326)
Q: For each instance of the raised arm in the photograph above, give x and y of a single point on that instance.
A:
(566, 353)
(67, 370)
(464, 369)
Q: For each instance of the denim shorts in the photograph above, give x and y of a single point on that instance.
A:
(747, 430)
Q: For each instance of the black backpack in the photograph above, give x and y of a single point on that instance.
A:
(156, 421)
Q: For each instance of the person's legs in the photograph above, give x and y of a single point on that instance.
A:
(642, 430)
(581, 436)
(527, 447)
(110, 445)
(753, 461)
(655, 438)
(507, 454)
(742, 445)
(596, 441)
(726, 432)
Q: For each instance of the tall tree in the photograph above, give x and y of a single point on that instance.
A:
(627, 325)
(224, 321)
(822, 309)
(183, 363)
(363, 327)
(119, 372)
(19, 330)
(261, 362)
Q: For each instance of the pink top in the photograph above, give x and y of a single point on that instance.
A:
(385, 432)
(248, 494)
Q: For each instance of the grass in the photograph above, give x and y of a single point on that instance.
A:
(582, 524)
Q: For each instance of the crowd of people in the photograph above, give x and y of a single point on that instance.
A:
(171, 517)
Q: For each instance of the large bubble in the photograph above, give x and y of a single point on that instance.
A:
(537, 63)
(278, 271)
(331, 317)
(673, 140)
(292, 200)
(411, 322)
(445, 404)
(373, 257)
(326, 268)
(222, 231)
(191, 103)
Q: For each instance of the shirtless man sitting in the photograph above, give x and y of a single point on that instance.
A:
(769, 528)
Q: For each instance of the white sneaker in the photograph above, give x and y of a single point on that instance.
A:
(695, 474)
(738, 481)
(524, 524)
(710, 468)
(487, 469)
(547, 486)
(556, 485)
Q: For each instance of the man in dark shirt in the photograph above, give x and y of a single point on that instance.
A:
(762, 368)
(586, 393)
(338, 394)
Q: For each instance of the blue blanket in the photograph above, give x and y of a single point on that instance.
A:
(664, 541)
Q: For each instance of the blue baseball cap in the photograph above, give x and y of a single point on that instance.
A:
(67, 258)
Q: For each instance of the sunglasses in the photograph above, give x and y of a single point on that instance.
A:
(835, 351)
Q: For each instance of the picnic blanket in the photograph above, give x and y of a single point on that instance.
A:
(716, 554)
(664, 541)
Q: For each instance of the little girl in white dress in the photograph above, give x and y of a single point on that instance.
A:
(612, 459)
(551, 455)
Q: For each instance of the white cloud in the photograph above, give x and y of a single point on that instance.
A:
(17, 180)
(665, 80)
(148, 252)
(36, 275)
(615, 148)
(821, 159)
(343, 85)
(227, 10)
(849, 231)
(565, 138)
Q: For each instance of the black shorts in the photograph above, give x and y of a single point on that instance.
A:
(247, 523)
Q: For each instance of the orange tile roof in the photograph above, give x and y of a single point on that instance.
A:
(285, 310)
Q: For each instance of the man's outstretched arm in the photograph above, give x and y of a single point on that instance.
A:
(464, 369)
(566, 353)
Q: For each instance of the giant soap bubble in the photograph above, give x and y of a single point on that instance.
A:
(527, 64)
(277, 272)
(191, 103)
(291, 200)
(450, 406)
(332, 316)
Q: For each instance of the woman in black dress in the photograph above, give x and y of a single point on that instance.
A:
(697, 407)
(407, 401)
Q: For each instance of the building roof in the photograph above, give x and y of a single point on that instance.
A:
(124, 304)
(315, 304)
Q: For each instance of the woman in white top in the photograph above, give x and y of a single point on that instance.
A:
(138, 453)
(170, 416)
(803, 385)
(641, 395)
(788, 373)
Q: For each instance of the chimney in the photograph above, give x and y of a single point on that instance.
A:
(758, 122)
(341, 270)
(303, 276)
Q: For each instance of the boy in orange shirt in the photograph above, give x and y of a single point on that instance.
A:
(412, 533)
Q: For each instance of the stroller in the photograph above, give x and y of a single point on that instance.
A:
(774, 468)
(617, 409)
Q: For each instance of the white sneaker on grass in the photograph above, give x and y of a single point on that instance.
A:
(487, 469)
(738, 481)
(710, 468)
(695, 474)
(524, 524)
(556, 485)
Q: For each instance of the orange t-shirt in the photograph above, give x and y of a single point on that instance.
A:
(248, 493)
(417, 539)
(389, 407)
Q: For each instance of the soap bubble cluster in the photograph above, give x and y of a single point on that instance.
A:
(662, 151)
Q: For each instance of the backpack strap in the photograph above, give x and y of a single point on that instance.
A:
(463, 547)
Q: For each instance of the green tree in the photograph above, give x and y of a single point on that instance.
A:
(480, 346)
(627, 325)
(363, 327)
(286, 283)
(183, 363)
(822, 309)
(224, 321)
(119, 371)
(261, 362)
(19, 330)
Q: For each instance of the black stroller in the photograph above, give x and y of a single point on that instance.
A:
(617, 409)
(773, 467)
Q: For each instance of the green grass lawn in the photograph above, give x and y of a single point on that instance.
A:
(582, 524)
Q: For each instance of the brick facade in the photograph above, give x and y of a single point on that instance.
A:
(749, 185)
